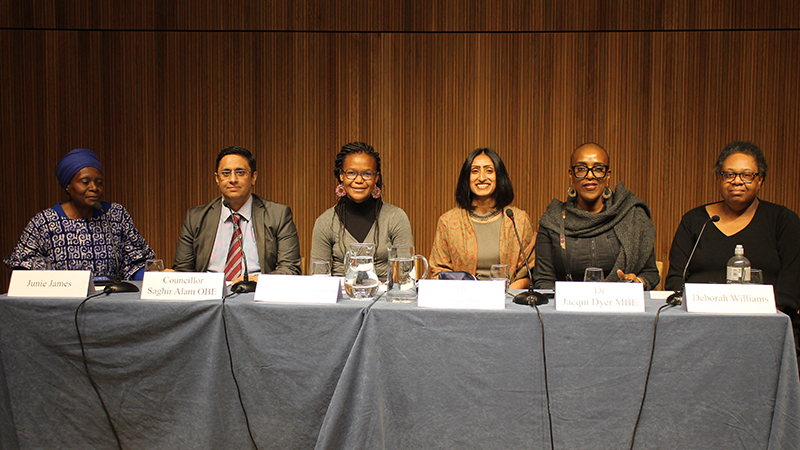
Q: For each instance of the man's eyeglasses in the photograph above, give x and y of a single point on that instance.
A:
(239, 173)
(581, 170)
(365, 175)
(746, 177)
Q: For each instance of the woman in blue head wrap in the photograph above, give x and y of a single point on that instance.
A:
(74, 235)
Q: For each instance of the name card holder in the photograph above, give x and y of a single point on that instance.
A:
(599, 296)
(51, 283)
(730, 298)
(188, 286)
(305, 289)
(461, 294)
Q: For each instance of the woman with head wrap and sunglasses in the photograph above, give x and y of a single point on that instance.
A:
(74, 236)
(595, 227)
(360, 215)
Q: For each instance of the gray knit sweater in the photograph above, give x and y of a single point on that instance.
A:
(331, 240)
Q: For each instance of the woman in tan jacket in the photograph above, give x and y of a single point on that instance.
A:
(478, 233)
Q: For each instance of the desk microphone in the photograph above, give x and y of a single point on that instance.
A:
(245, 285)
(118, 285)
(676, 297)
(530, 297)
(533, 298)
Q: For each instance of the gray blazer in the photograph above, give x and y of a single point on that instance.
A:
(276, 236)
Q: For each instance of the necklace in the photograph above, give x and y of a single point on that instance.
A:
(484, 217)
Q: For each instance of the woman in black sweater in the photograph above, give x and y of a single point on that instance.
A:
(769, 233)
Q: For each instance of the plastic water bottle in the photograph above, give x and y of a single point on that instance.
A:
(738, 267)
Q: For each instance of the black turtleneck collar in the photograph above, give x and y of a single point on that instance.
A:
(362, 209)
(358, 218)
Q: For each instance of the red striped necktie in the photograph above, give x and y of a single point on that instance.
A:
(233, 266)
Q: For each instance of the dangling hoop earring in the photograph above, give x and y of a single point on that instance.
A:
(607, 193)
(376, 193)
(571, 192)
(340, 192)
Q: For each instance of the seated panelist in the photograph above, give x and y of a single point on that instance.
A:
(208, 241)
(477, 233)
(769, 233)
(74, 235)
(595, 227)
(361, 214)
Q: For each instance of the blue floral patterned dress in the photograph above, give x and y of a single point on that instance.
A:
(83, 244)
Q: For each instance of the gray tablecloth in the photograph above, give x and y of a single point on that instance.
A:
(164, 372)
(474, 379)
(358, 375)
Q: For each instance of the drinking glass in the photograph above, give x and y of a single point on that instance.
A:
(154, 265)
(756, 276)
(321, 268)
(593, 274)
(499, 272)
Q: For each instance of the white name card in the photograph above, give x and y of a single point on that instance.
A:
(51, 283)
(183, 286)
(599, 296)
(461, 294)
(730, 298)
(297, 289)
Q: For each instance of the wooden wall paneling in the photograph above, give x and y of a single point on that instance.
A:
(782, 118)
(402, 16)
(314, 81)
(448, 100)
(411, 155)
(729, 88)
(24, 160)
(158, 106)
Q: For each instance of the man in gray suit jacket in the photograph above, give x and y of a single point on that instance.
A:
(269, 235)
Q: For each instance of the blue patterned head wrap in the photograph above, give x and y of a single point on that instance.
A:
(73, 162)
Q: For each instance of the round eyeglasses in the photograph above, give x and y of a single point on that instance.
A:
(598, 171)
(365, 175)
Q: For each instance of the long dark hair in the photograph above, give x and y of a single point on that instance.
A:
(353, 148)
(503, 193)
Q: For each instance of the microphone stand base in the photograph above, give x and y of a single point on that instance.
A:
(243, 287)
(530, 298)
(675, 299)
(120, 286)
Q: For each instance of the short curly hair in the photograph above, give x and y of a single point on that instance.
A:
(748, 148)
